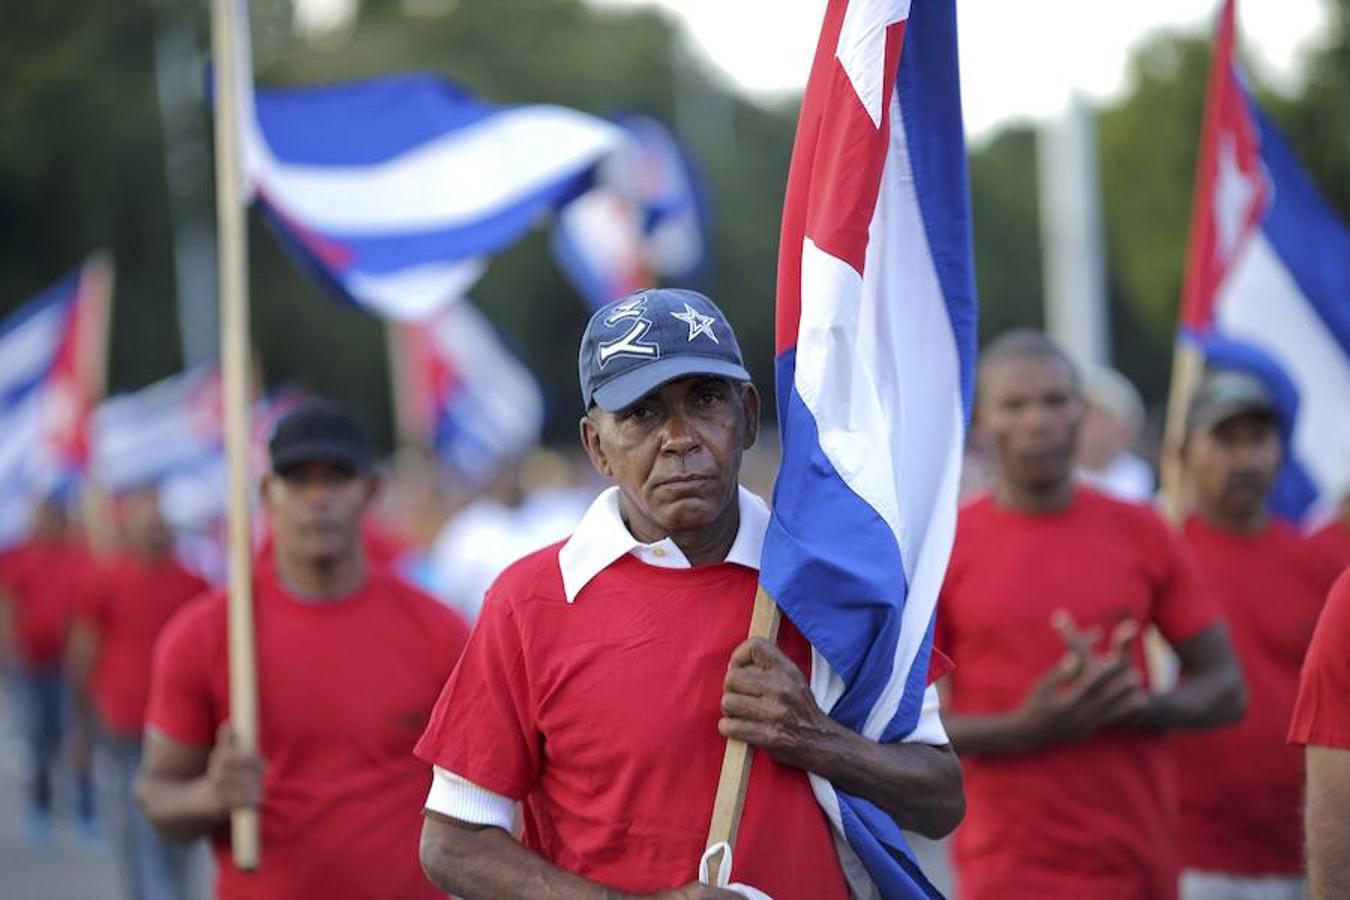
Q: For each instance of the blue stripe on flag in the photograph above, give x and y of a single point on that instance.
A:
(881, 846)
(930, 103)
(393, 253)
(1306, 234)
(14, 386)
(313, 125)
(863, 576)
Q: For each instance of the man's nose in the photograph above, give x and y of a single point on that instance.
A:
(678, 434)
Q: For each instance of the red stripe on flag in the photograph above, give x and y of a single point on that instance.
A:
(837, 161)
(1228, 128)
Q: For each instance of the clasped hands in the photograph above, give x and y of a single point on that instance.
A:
(1086, 690)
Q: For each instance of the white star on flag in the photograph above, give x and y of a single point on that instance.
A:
(698, 323)
(1234, 193)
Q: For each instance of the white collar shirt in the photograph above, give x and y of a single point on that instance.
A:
(602, 537)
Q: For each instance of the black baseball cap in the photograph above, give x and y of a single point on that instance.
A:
(320, 430)
(1226, 394)
(637, 343)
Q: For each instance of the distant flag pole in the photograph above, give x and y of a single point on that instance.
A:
(408, 393)
(94, 339)
(230, 49)
(1204, 271)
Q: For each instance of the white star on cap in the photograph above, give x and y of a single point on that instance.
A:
(698, 323)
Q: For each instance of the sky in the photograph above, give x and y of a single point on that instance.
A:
(1019, 60)
(1023, 59)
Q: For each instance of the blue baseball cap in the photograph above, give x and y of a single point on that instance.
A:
(637, 343)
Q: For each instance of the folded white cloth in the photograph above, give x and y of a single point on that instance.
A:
(722, 878)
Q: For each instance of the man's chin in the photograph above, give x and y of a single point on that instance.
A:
(687, 514)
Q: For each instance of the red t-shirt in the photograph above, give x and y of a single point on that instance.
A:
(1333, 539)
(44, 580)
(1322, 713)
(345, 689)
(130, 603)
(1242, 785)
(1095, 818)
(601, 716)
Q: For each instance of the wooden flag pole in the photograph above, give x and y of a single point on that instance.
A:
(94, 349)
(403, 394)
(234, 329)
(1188, 366)
(735, 777)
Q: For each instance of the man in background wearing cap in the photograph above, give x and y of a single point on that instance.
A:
(133, 596)
(590, 690)
(349, 662)
(1240, 786)
(1069, 774)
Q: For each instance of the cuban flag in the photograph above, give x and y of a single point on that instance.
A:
(171, 427)
(646, 218)
(394, 190)
(1268, 284)
(468, 395)
(875, 353)
(52, 359)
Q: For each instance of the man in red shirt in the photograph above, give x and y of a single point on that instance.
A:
(1069, 776)
(605, 671)
(1240, 785)
(1322, 725)
(40, 583)
(350, 659)
(111, 642)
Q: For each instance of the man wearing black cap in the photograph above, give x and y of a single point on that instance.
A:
(1241, 786)
(606, 670)
(349, 660)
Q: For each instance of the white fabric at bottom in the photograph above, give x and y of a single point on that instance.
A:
(722, 877)
(1196, 885)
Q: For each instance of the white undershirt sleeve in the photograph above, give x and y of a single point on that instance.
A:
(459, 798)
(929, 730)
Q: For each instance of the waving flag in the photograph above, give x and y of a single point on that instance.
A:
(1268, 283)
(647, 216)
(393, 190)
(471, 398)
(172, 426)
(876, 344)
(52, 353)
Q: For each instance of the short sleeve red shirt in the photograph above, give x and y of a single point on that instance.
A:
(346, 687)
(1096, 818)
(44, 581)
(1322, 712)
(601, 716)
(1241, 785)
(129, 604)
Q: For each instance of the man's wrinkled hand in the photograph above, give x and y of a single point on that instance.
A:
(767, 703)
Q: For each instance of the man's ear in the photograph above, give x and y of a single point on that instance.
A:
(372, 490)
(265, 485)
(750, 403)
(590, 440)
